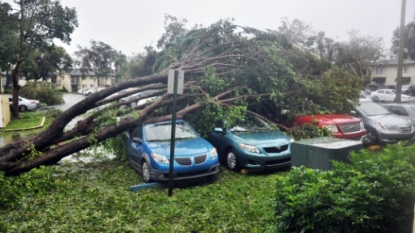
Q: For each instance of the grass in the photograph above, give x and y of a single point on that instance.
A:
(28, 120)
(95, 197)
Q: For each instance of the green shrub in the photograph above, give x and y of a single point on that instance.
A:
(372, 194)
(35, 183)
(45, 92)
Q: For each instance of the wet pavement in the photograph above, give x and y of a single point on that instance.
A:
(70, 99)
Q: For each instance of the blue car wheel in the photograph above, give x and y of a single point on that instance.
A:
(145, 171)
(231, 160)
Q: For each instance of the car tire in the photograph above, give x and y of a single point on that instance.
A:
(375, 98)
(232, 160)
(146, 171)
(22, 108)
(371, 138)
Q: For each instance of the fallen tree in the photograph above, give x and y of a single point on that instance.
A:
(228, 70)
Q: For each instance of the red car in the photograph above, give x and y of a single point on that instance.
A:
(341, 126)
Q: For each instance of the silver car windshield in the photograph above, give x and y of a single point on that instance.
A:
(372, 109)
(162, 132)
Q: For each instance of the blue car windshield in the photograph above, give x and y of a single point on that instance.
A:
(162, 132)
(250, 123)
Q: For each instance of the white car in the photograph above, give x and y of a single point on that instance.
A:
(81, 91)
(388, 95)
(24, 104)
(88, 91)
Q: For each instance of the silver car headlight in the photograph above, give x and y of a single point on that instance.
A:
(160, 158)
(250, 148)
(388, 127)
(213, 153)
(332, 128)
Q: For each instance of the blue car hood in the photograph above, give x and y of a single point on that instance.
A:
(182, 148)
(262, 137)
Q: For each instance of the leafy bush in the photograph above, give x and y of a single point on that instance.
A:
(45, 92)
(372, 194)
(35, 183)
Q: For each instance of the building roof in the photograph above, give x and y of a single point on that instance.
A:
(77, 72)
(392, 62)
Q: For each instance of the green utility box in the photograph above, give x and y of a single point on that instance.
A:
(318, 153)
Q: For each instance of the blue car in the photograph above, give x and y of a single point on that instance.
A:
(251, 143)
(149, 152)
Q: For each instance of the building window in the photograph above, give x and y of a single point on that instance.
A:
(92, 86)
(84, 86)
(379, 70)
(405, 69)
(74, 80)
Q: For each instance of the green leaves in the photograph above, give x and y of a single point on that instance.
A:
(373, 194)
(95, 197)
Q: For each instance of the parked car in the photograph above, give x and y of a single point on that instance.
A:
(24, 104)
(149, 152)
(252, 143)
(88, 91)
(37, 102)
(81, 91)
(388, 95)
(341, 125)
(371, 87)
(408, 90)
(364, 97)
(382, 126)
(406, 111)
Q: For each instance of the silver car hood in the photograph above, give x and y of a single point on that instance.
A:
(390, 119)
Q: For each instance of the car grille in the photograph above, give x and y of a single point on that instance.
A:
(351, 128)
(200, 159)
(183, 161)
(407, 129)
(276, 149)
(187, 161)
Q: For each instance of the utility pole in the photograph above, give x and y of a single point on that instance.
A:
(400, 53)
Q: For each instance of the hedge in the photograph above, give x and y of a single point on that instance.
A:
(375, 193)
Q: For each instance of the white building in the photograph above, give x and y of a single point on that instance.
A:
(385, 72)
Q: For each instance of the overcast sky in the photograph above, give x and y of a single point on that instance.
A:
(129, 25)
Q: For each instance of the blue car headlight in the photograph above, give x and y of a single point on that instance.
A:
(213, 153)
(250, 148)
(160, 158)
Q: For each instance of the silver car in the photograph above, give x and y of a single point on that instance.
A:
(382, 126)
(406, 111)
(24, 104)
